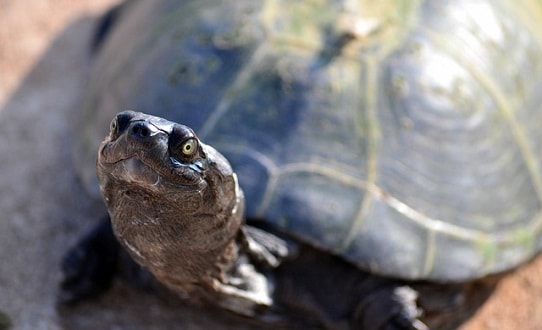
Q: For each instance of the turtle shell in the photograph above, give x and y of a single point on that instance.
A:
(401, 135)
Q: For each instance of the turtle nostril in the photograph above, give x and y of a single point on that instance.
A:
(140, 131)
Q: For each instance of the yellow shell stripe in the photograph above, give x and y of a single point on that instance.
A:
(374, 136)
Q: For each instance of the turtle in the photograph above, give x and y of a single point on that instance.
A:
(321, 163)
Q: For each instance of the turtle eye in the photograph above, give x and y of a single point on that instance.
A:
(189, 147)
(113, 126)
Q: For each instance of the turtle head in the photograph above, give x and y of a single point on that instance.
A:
(145, 150)
(168, 193)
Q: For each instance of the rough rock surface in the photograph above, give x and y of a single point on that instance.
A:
(42, 73)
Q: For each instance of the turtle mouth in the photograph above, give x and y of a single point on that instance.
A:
(152, 173)
(133, 170)
(137, 171)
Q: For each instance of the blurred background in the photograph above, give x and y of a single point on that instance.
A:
(26, 29)
(42, 66)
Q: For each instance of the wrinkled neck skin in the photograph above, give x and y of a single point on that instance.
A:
(183, 233)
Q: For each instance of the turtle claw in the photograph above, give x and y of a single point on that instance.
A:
(407, 310)
(265, 248)
(89, 267)
(390, 308)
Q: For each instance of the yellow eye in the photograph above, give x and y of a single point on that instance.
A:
(113, 125)
(189, 147)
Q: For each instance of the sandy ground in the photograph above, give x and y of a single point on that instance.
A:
(42, 70)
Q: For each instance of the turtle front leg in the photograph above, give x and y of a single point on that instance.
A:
(247, 288)
(89, 267)
(244, 291)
